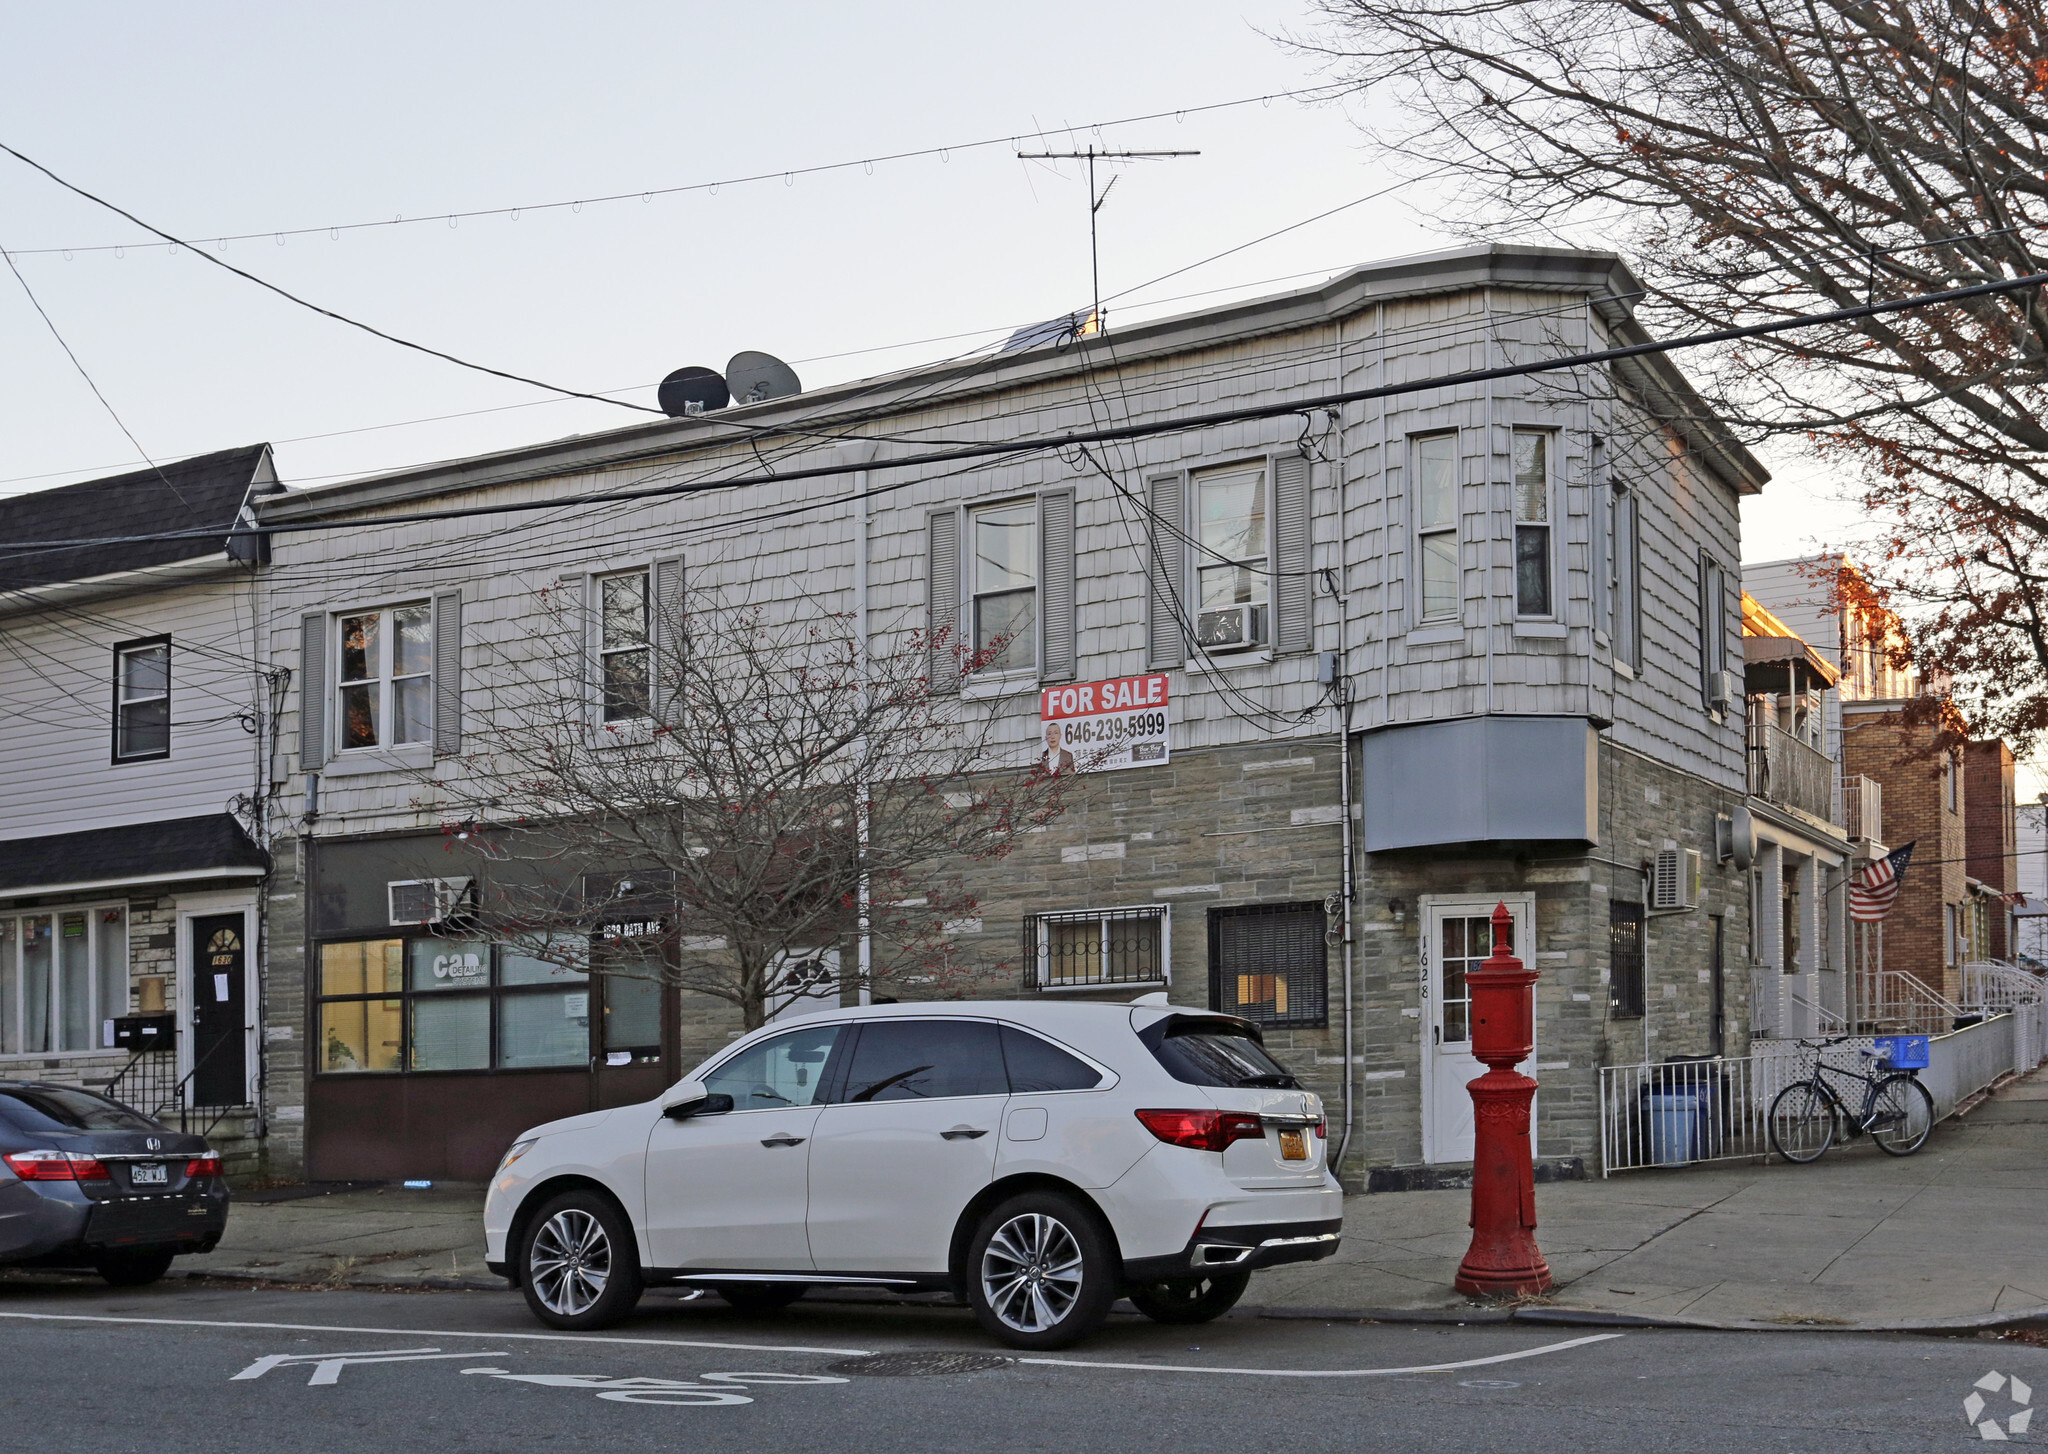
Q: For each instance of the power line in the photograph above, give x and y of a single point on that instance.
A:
(315, 307)
(450, 219)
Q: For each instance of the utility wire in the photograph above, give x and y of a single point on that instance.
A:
(315, 307)
(578, 203)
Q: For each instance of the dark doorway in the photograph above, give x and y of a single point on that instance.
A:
(220, 1056)
(1717, 1026)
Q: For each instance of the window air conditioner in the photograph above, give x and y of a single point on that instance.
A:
(1675, 879)
(1231, 626)
(426, 900)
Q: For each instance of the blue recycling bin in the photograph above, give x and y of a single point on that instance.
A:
(1903, 1052)
(1674, 1127)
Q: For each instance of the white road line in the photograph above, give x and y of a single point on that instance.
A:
(1329, 1372)
(447, 1333)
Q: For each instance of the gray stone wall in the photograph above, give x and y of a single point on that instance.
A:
(285, 1029)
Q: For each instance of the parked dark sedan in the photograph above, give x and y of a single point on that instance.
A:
(87, 1182)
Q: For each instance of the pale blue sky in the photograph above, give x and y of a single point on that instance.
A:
(220, 119)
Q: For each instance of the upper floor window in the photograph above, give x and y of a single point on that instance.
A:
(1004, 539)
(1716, 690)
(142, 701)
(1435, 460)
(1232, 570)
(386, 679)
(624, 646)
(1951, 772)
(1532, 523)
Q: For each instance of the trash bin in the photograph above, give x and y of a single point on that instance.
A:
(1674, 1118)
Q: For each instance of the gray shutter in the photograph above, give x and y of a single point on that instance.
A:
(1166, 640)
(1632, 586)
(666, 681)
(1056, 586)
(577, 677)
(942, 579)
(313, 692)
(447, 673)
(1293, 628)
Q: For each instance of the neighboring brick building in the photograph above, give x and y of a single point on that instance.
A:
(1923, 805)
(1991, 831)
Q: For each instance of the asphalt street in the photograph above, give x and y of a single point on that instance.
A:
(84, 1367)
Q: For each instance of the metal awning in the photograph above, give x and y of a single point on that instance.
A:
(211, 847)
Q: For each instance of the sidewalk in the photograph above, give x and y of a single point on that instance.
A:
(1953, 1236)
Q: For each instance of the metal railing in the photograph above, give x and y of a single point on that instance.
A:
(150, 1083)
(1993, 986)
(1891, 1001)
(1785, 770)
(1863, 807)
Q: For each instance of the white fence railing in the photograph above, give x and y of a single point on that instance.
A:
(1687, 1111)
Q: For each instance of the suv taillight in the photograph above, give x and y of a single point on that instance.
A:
(55, 1166)
(1203, 1130)
(207, 1165)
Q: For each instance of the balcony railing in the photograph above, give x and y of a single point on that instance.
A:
(1863, 807)
(1784, 770)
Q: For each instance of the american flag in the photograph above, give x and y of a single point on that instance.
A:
(1873, 891)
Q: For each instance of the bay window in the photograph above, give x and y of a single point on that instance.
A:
(1532, 523)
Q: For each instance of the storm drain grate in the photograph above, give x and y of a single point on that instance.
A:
(920, 1365)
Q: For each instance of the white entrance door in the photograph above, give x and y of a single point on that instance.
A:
(1457, 933)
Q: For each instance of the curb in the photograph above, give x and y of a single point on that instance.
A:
(1598, 1318)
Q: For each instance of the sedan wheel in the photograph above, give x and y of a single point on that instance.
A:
(580, 1268)
(1040, 1272)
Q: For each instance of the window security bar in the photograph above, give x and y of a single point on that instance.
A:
(1094, 947)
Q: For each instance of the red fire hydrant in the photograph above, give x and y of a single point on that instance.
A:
(1503, 1259)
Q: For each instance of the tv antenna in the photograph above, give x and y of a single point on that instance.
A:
(1096, 199)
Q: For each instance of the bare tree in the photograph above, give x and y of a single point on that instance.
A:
(1758, 160)
(731, 793)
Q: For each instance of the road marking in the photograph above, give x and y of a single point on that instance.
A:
(706, 1390)
(446, 1333)
(1329, 1372)
(327, 1366)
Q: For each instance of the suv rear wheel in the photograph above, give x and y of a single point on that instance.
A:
(133, 1267)
(579, 1267)
(1040, 1273)
(1190, 1299)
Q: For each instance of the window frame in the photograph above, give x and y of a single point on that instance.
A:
(1419, 534)
(1627, 997)
(599, 653)
(1713, 631)
(14, 979)
(1318, 1017)
(971, 595)
(387, 648)
(122, 651)
(1548, 437)
(495, 991)
(1038, 947)
(1203, 558)
(1626, 580)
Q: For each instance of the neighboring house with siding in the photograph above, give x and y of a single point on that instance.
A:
(1513, 606)
(138, 714)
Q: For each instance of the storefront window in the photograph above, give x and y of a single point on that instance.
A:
(450, 1004)
(63, 979)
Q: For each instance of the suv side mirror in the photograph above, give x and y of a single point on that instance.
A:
(692, 1099)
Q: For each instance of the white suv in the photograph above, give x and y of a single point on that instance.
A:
(1035, 1159)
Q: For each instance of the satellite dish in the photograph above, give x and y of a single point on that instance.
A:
(753, 377)
(1081, 324)
(692, 391)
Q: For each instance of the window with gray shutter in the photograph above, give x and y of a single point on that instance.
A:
(1166, 642)
(447, 673)
(1056, 586)
(1292, 627)
(668, 639)
(313, 692)
(942, 607)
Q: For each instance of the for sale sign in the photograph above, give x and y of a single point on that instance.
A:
(1104, 726)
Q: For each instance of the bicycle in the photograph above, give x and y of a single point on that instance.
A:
(1898, 1111)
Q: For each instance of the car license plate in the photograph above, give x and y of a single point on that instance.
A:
(149, 1173)
(1294, 1145)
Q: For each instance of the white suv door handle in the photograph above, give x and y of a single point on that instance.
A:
(964, 1133)
(785, 1139)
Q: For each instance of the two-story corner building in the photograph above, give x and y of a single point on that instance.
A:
(138, 714)
(1407, 657)
(1800, 940)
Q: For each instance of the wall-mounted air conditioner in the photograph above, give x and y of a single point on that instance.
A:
(427, 900)
(1230, 627)
(1675, 879)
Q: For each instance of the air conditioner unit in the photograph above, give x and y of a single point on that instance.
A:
(426, 900)
(1675, 879)
(1229, 627)
(1724, 688)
